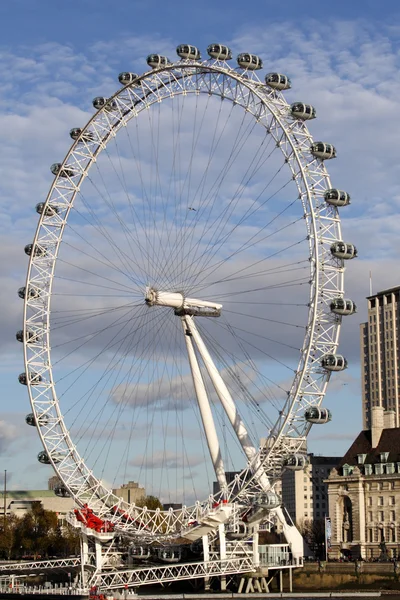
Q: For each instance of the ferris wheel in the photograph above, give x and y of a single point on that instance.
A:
(185, 294)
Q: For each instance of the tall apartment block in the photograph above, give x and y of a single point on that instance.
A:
(380, 351)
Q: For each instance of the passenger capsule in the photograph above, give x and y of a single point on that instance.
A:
(277, 81)
(44, 458)
(100, 102)
(317, 415)
(269, 500)
(219, 52)
(334, 362)
(343, 250)
(295, 462)
(37, 251)
(30, 336)
(33, 292)
(343, 306)
(252, 62)
(76, 133)
(323, 151)
(58, 169)
(187, 52)
(126, 78)
(337, 197)
(30, 420)
(34, 378)
(301, 111)
(156, 61)
(49, 210)
(61, 491)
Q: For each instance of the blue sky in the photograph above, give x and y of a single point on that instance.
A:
(343, 57)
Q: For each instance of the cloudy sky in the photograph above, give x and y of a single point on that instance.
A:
(342, 57)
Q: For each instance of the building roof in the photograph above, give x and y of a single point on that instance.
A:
(384, 292)
(323, 460)
(29, 494)
(389, 442)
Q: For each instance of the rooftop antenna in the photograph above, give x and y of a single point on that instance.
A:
(370, 283)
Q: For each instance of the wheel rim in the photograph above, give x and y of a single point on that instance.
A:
(310, 180)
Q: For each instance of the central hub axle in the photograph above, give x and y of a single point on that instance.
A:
(181, 304)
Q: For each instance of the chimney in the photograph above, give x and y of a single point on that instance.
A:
(377, 424)
(389, 419)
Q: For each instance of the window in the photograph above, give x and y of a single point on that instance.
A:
(305, 488)
(370, 519)
(370, 535)
(390, 469)
(392, 500)
(380, 501)
(391, 485)
(392, 515)
(381, 516)
(368, 471)
(379, 471)
(361, 458)
(379, 487)
(369, 500)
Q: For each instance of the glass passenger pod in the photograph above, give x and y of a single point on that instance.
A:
(252, 62)
(44, 458)
(156, 61)
(269, 500)
(30, 336)
(301, 111)
(295, 462)
(317, 415)
(337, 197)
(30, 420)
(33, 292)
(61, 491)
(334, 362)
(343, 250)
(125, 78)
(49, 210)
(34, 378)
(219, 52)
(99, 102)
(323, 151)
(343, 306)
(37, 251)
(185, 51)
(278, 81)
(58, 169)
(76, 133)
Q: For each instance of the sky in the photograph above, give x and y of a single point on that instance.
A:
(343, 57)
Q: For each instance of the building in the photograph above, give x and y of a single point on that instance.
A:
(380, 353)
(20, 502)
(305, 493)
(130, 492)
(364, 493)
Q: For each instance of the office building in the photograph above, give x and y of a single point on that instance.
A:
(305, 493)
(380, 353)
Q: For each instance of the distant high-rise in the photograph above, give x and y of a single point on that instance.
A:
(380, 352)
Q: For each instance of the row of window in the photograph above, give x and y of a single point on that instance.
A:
(391, 502)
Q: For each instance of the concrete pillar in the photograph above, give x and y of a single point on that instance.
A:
(206, 555)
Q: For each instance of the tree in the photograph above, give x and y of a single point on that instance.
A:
(7, 536)
(313, 532)
(36, 531)
(151, 502)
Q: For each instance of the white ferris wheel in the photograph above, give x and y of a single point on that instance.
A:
(184, 296)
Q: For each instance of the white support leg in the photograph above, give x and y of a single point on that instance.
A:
(229, 407)
(205, 409)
